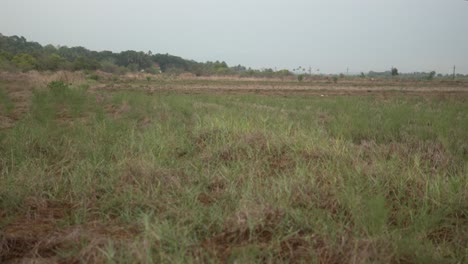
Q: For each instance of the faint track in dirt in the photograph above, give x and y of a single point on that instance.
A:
(313, 90)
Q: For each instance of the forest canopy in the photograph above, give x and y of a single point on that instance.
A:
(19, 54)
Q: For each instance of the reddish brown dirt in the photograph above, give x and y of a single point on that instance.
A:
(37, 236)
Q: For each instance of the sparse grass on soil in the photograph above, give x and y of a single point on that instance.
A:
(90, 176)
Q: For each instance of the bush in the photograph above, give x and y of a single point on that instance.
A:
(109, 66)
(52, 62)
(431, 75)
(152, 70)
(57, 87)
(6, 65)
(85, 63)
(283, 73)
(25, 62)
(94, 77)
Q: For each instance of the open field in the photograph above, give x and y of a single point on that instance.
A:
(173, 170)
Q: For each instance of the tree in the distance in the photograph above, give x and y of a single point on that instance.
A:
(25, 62)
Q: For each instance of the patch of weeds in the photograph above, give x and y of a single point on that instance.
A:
(59, 101)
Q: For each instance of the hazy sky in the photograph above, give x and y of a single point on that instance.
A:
(412, 35)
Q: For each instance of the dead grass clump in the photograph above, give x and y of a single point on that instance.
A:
(118, 110)
(86, 241)
(144, 122)
(316, 156)
(21, 237)
(357, 250)
(245, 143)
(14, 249)
(296, 249)
(255, 140)
(41, 79)
(281, 160)
(37, 235)
(145, 176)
(213, 192)
(432, 155)
(39, 219)
(47, 209)
(206, 137)
(6, 122)
(186, 76)
(76, 78)
(344, 248)
(321, 196)
(452, 231)
(323, 118)
(238, 234)
(255, 147)
(436, 156)
(104, 75)
(303, 247)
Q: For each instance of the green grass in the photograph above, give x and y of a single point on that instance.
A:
(177, 178)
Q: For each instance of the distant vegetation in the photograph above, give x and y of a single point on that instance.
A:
(18, 54)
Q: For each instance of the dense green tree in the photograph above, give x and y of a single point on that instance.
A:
(133, 67)
(5, 63)
(49, 57)
(108, 65)
(283, 73)
(85, 63)
(49, 49)
(25, 62)
(167, 61)
(129, 57)
(52, 62)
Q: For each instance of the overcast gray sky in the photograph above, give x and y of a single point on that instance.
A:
(331, 35)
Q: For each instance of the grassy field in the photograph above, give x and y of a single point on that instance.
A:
(89, 175)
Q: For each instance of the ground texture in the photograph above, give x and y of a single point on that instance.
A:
(169, 170)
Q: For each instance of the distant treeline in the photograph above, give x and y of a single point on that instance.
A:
(411, 75)
(19, 54)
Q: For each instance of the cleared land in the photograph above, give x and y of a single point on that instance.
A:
(206, 170)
